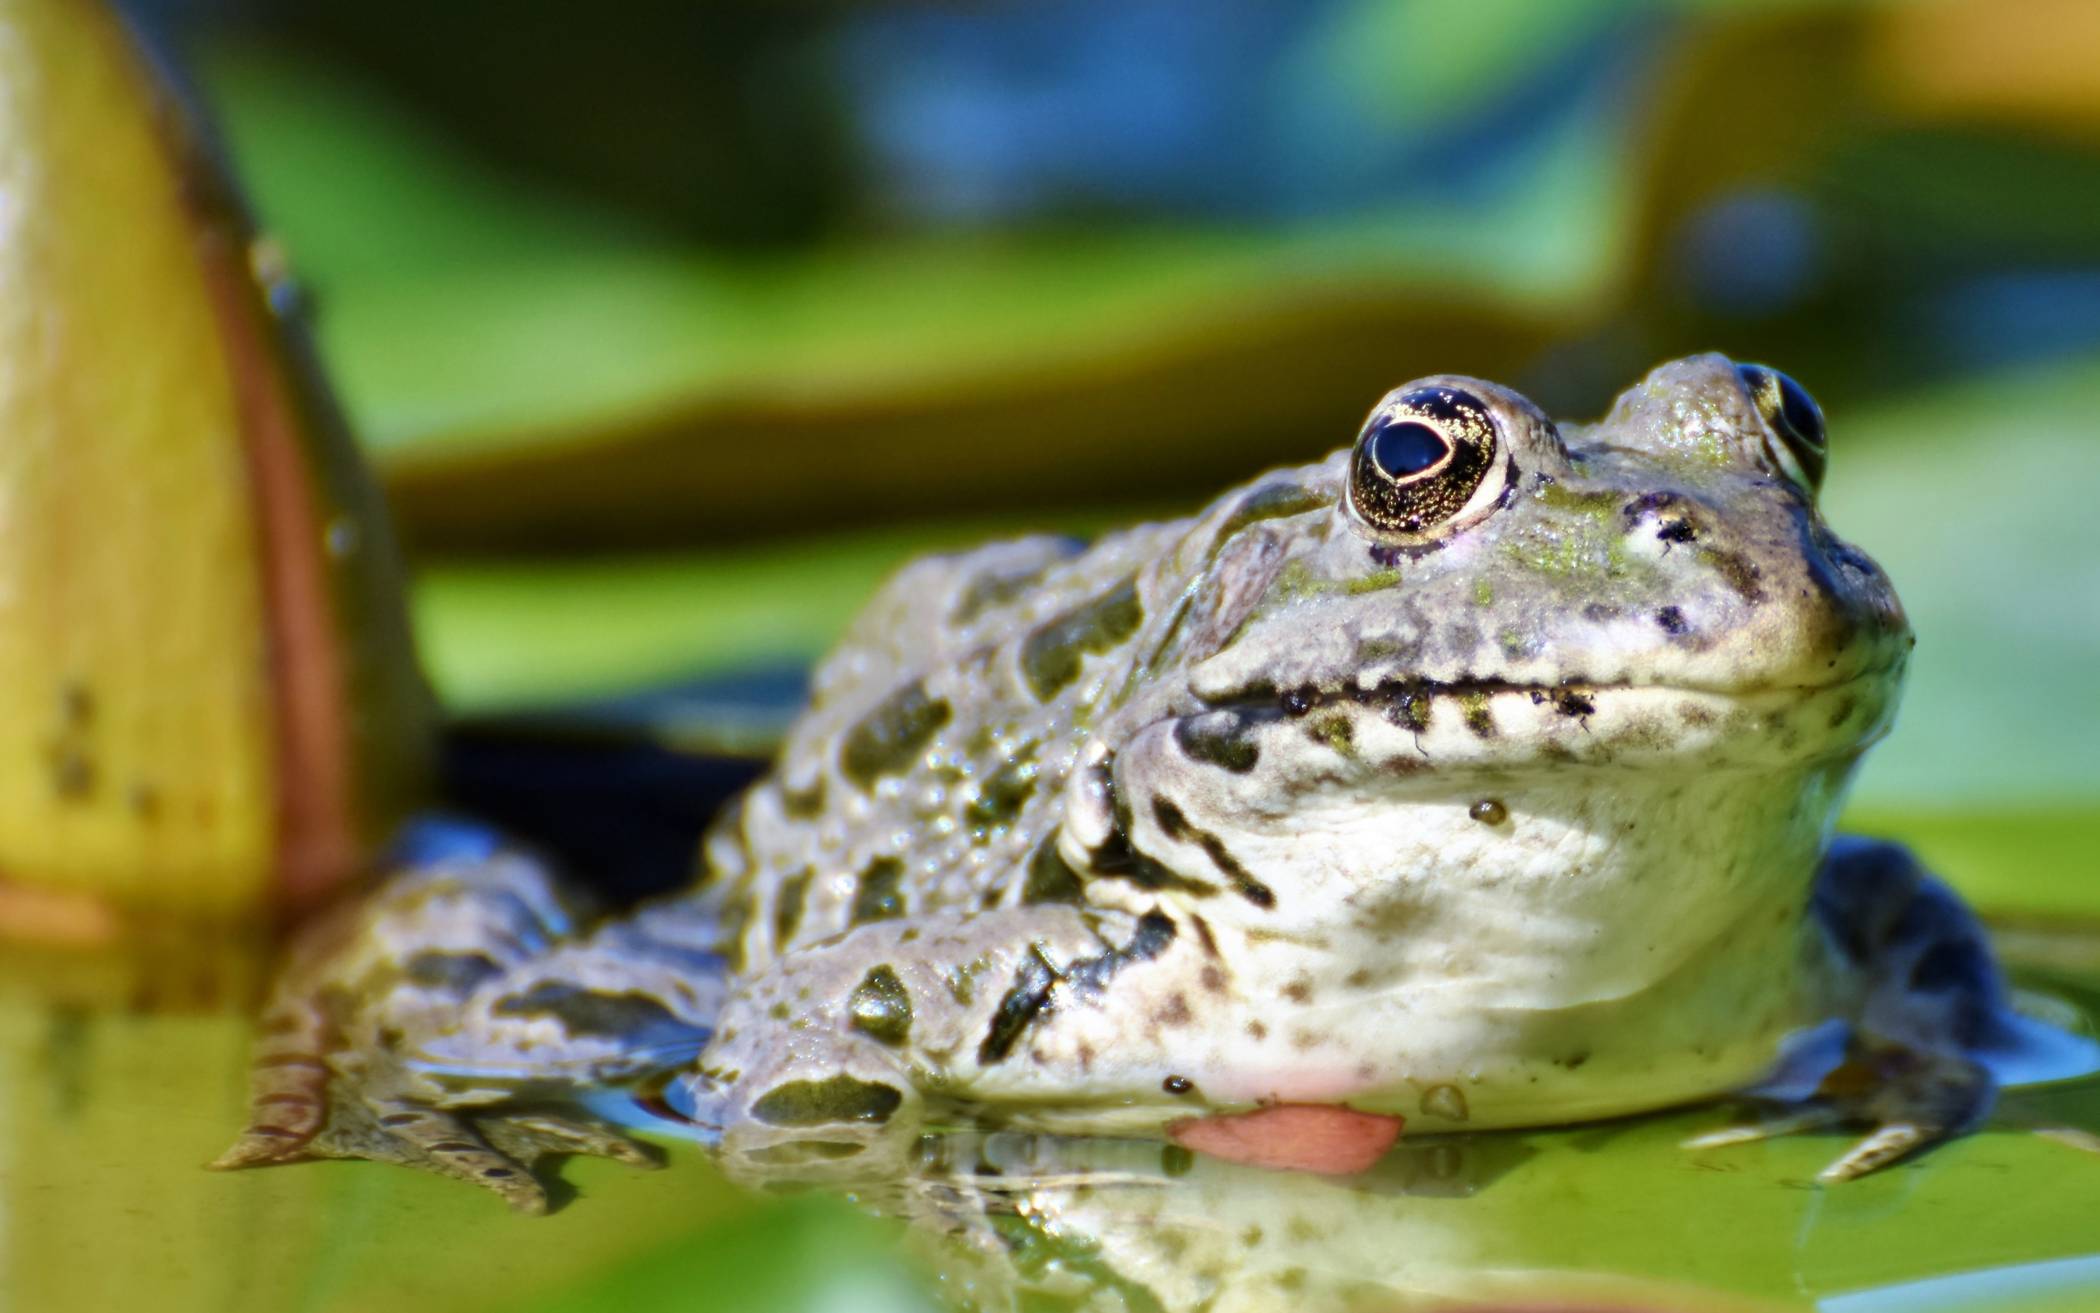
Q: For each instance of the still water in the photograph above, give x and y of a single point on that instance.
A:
(107, 1113)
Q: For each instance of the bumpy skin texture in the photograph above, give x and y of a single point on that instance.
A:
(1509, 822)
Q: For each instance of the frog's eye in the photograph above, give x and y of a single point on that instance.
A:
(1792, 416)
(1423, 461)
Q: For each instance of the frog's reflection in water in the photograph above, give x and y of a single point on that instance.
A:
(1022, 1220)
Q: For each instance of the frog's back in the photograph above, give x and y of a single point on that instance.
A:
(923, 776)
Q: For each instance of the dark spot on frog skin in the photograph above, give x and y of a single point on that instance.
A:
(841, 1098)
(1116, 858)
(1018, 1008)
(1299, 990)
(880, 1007)
(1479, 718)
(1175, 1161)
(961, 979)
(1268, 502)
(1174, 1012)
(880, 895)
(803, 804)
(889, 738)
(1488, 811)
(1738, 571)
(736, 916)
(1410, 709)
(455, 973)
(1672, 620)
(1203, 936)
(788, 901)
(1175, 825)
(1569, 702)
(1030, 994)
(1177, 1085)
(1571, 1061)
(1297, 701)
(1334, 730)
(1051, 656)
(1005, 790)
(637, 1021)
(1675, 524)
(1218, 738)
(998, 587)
(1050, 879)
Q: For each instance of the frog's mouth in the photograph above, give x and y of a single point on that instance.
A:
(1422, 723)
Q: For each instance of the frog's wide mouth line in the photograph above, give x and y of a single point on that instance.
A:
(1409, 700)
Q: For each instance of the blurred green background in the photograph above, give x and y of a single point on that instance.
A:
(671, 328)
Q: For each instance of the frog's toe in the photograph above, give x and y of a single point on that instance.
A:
(1912, 1099)
(1888, 1143)
(534, 1135)
(1813, 1118)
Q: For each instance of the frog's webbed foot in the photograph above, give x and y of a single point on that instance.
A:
(439, 1022)
(1911, 1100)
(500, 1150)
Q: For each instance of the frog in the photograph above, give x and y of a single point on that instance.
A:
(1481, 775)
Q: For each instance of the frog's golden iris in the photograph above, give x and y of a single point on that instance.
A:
(1423, 460)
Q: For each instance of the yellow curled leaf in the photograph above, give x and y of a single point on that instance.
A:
(208, 699)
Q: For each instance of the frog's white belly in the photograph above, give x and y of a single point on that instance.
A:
(1582, 958)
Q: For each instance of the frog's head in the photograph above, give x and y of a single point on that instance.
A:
(1504, 591)
(1471, 600)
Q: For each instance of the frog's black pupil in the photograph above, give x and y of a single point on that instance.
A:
(1800, 412)
(1407, 448)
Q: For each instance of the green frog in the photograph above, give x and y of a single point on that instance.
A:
(1480, 775)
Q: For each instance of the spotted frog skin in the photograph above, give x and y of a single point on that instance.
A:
(1482, 773)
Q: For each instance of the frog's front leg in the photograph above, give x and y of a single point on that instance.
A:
(440, 1021)
(1920, 998)
(847, 1041)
